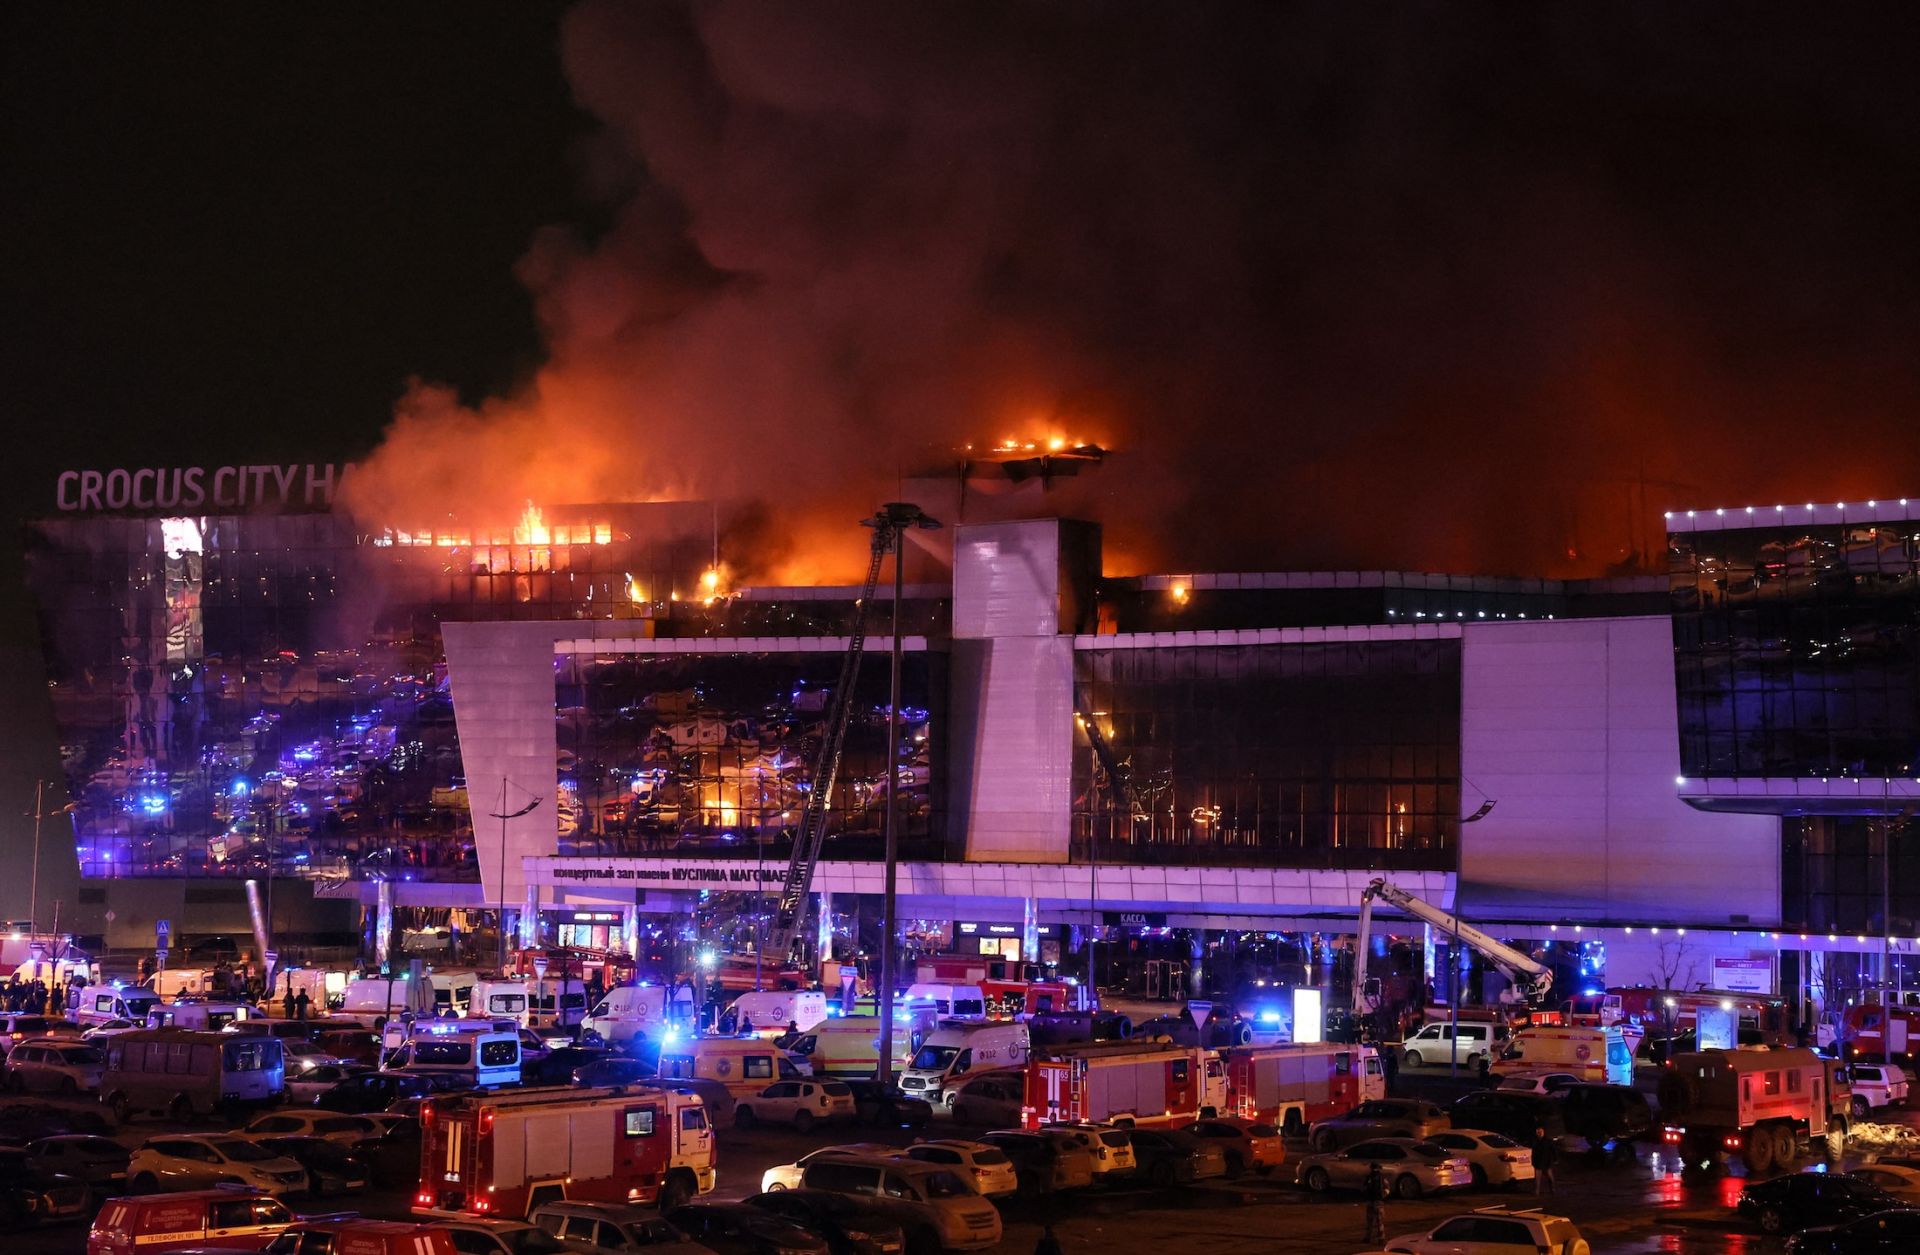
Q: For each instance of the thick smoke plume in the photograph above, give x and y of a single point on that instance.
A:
(1415, 287)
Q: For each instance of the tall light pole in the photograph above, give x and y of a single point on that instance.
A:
(894, 520)
(40, 812)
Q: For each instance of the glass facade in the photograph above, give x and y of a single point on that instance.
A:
(1834, 875)
(1797, 650)
(713, 753)
(1338, 754)
(1330, 599)
(243, 692)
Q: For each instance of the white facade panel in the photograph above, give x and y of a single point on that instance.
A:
(1006, 579)
(1570, 727)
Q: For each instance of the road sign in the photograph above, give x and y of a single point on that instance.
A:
(162, 933)
(272, 957)
(160, 959)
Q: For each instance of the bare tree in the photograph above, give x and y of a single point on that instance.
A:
(1676, 968)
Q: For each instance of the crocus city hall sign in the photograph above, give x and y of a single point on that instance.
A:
(191, 488)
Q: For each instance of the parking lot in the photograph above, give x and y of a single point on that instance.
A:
(1643, 1205)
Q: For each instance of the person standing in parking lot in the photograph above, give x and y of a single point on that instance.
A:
(1545, 1154)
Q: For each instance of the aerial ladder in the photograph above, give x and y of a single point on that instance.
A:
(1114, 777)
(1530, 976)
(790, 915)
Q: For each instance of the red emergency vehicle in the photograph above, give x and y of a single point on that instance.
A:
(1295, 1085)
(506, 1152)
(231, 1219)
(1880, 1031)
(1762, 1105)
(1009, 989)
(1143, 1083)
(1762, 1021)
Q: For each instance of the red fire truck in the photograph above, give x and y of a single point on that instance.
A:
(1762, 1105)
(1762, 1021)
(1293, 1086)
(1009, 989)
(506, 1152)
(1145, 1083)
(1885, 1032)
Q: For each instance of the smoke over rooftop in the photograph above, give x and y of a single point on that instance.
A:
(1420, 288)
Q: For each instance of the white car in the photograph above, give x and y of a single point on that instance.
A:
(1537, 1082)
(1877, 1085)
(1495, 1231)
(986, 1167)
(110, 1029)
(799, 1103)
(1494, 1158)
(1111, 1148)
(201, 1161)
(332, 1125)
(787, 1176)
(304, 1088)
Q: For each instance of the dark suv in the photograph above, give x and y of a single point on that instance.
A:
(1607, 1116)
(1522, 1117)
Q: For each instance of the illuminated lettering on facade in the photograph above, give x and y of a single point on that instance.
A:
(309, 486)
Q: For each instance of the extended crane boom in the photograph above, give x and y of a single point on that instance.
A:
(790, 915)
(1532, 977)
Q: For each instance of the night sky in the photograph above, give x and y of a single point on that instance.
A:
(1423, 288)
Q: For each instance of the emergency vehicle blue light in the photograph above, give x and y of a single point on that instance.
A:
(1269, 1017)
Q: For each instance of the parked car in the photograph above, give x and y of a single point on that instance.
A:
(850, 1225)
(472, 1236)
(32, 1194)
(1523, 1117)
(799, 1103)
(986, 1165)
(715, 1094)
(556, 1066)
(201, 1161)
(1169, 1156)
(612, 1229)
(1495, 1231)
(991, 1098)
(1877, 1085)
(1885, 1233)
(1901, 1181)
(332, 1125)
(15, 1029)
(1494, 1158)
(372, 1091)
(304, 1088)
(938, 1210)
(331, 1167)
(787, 1176)
(338, 1235)
(1249, 1145)
(884, 1106)
(1800, 1200)
(1606, 1116)
(24, 1121)
(1043, 1165)
(350, 1045)
(393, 1154)
(56, 1065)
(611, 1070)
(737, 1229)
(100, 1163)
(1537, 1082)
(1109, 1144)
(1379, 1117)
(1411, 1167)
